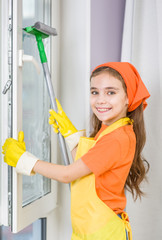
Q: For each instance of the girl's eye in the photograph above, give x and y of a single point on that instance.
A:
(94, 92)
(110, 93)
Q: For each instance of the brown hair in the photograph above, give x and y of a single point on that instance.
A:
(139, 166)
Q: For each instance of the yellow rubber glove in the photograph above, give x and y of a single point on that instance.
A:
(13, 149)
(15, 155)
(61, 122)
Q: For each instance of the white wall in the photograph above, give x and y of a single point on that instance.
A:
(75, 59)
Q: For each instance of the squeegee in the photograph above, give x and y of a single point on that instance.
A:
(42, 31)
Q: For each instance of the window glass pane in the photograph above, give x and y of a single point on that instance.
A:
(32, 232)
(35, 101)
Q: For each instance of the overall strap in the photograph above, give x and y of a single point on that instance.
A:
(121, 122)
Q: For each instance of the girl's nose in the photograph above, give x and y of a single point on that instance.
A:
(101, 99)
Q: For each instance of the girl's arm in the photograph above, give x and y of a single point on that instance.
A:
(15, 155)
(61, 173)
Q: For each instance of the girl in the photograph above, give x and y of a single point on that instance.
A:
(105, 164)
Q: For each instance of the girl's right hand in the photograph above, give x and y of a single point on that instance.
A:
(13, 149)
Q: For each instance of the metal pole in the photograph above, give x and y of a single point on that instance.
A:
(54, 106)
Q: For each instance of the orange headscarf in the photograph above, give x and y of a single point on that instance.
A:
(136, 90)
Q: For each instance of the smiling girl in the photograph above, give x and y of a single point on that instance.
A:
(108, 99)
(105, 164)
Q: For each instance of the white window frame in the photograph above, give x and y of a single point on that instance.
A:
(21, 216)
(4, 116)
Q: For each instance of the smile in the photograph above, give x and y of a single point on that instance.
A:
(102, 110)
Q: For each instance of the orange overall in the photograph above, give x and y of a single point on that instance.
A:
(91, 218)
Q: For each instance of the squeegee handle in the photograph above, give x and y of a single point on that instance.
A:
(54, 106)
(41, 50)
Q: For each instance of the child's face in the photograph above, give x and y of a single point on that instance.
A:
(108, 100)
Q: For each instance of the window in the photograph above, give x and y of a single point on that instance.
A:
(25, 106)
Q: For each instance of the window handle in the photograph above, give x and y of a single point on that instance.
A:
(7, 86)
(27, 58)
